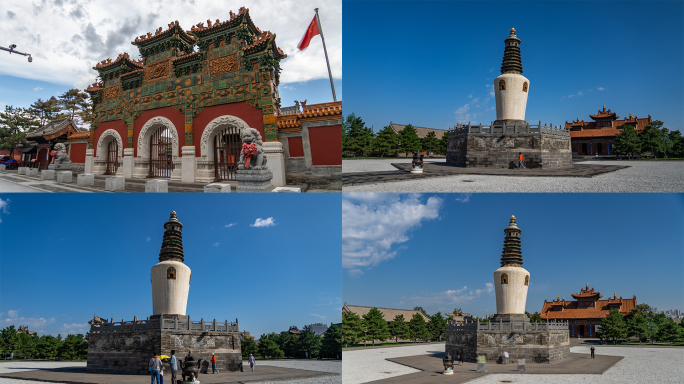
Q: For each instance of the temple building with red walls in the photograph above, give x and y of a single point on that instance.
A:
(584, 314)
(36, 151)
(178, 112)
(598, 137)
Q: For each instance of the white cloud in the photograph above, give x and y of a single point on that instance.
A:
(448, 297)
(470, 96)
(73, 329)
(12, 313)
(4, 204)
(263, 222)
(229, 225)
(148, 239)
(33, 323)
(91, 31)
(215, 244)
(374, 226)
(37, 89)
(464, 197)
(317, 315)
(600, 88)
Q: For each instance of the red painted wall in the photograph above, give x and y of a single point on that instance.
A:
(117, 125)
(251, 115)
(295, 146)
(326, 145)
(6, 152)
(77, 152)
(177, 118)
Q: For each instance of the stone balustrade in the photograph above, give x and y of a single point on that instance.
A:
(164, 324)
(507, 326)
(509, 128)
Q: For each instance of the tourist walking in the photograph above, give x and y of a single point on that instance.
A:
(520, 160)
(11, 356)
(460, 356)
(481, 363)
(592, 351)
(521, 364)
(155, 367)
(252, 361)
(505, 356)
(174, 366)
(213, 364)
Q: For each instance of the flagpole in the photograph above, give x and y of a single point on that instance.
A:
(320, 29)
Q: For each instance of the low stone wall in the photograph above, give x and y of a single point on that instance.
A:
(486, 150)
(539, 346)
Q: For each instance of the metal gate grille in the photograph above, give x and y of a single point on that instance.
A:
(112, 158)
(226, 153)
(161, 153)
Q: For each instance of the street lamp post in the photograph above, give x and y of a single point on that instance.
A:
(11, 51)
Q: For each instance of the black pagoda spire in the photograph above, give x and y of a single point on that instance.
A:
(511, 58)
(172, 244)
(511, 250)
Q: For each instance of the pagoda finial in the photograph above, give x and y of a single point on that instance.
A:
(615, 295)
(587, 286)
(558, 297)
(604, 107)
(512, 32)
(511, 251)
(511, 58)
(172, 243)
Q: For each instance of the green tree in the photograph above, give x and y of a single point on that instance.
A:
(429, 143)
(669, 331)
(677, 143)
(352, 330)
(387, 142)
(309, 342)
(376, 325)
(652, 138)
(613, 326)
(409, 141)
(437, 326)
(249, 346)
(638, 326)
(627, 142)
(9, 340)
(73, 347)
(269, 347)
(26, 346)
(14, 124)
(359, 138)
(399, 328)
(535, 317)
(288, 344)
(47, 347)
(443, 144)
(332, 342)
(418, 328)
(45, 111)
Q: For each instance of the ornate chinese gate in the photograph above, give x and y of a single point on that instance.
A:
(161, 153)
(226, 153)
(112, 158)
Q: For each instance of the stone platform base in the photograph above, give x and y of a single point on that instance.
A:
(502, 150)
(61, 167)
(250, 180)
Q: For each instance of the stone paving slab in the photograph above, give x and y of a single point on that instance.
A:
(431, 170)
(431, 368)
(78, 375)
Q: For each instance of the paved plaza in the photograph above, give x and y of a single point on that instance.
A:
(379, 175)
(612, 365)
(290, 371)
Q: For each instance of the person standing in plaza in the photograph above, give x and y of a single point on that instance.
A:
(11, 356)
(155, 367)
(460, 356)
(505, 356)
(520, 160)
(592, 351)
(521, 364)
(481, 363)
(252, 361)
(213, 364)
(174, 366)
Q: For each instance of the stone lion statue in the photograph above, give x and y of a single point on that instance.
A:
(252, 154)
(60, 155)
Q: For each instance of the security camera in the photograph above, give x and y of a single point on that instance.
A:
(30, 59)
(12, 46)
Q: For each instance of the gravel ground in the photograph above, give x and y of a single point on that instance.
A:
(640, 365)
(331, 366)
(362, 366)
(375, 165)
(22, 366)
(642, 176)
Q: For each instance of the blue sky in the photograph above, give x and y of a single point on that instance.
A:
(67, 38)
(66, 256)
(440, 251)
(432, 64)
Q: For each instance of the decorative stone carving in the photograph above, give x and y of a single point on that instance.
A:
(213, 127)
(158, 70)
(171, 273)
(223, 65)
(61, 157)
(252, 154)
(146, 133)
(112, 93)
(104, 139)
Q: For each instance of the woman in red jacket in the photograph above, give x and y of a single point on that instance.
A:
(213, 364)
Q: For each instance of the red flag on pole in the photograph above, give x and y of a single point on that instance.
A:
(312, 31)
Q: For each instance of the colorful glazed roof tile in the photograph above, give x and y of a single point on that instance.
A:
(82, 135)
(605, 114)
(580, 128)
(236, 19)
(595, 309)
(288, 122)
(122, 59)
(95, 86)
(174, 29)
(262, 42)
(187, 58)
(53, 129)
(321, 110)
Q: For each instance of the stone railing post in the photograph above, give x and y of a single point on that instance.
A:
(202, 324)
(214, 325)
(189, 324)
